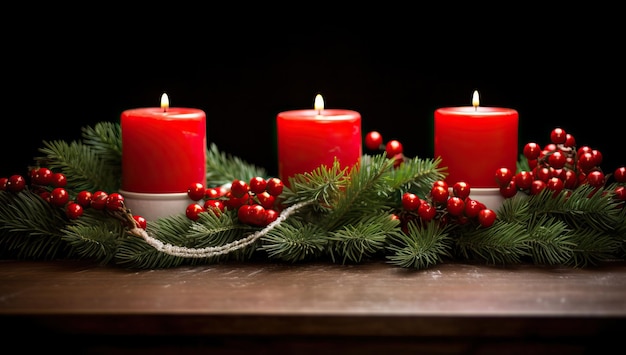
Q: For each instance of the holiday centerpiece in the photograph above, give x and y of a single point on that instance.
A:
(559, 208)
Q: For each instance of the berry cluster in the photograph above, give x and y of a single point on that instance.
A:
(393, 148)
(50, 186)
(255, 201)
(557, 166)
(445, 205)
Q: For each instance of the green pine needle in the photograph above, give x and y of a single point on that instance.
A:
(422, 247)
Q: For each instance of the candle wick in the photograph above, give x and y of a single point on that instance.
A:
(319, 112)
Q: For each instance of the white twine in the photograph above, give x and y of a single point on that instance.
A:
(218, 250)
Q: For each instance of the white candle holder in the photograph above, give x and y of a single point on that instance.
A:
(153, 206)
(490, 197)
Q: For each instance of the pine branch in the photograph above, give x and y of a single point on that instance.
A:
(295, 240)
(30, 228)
(83, 167)
(365, 238)
(422, 247)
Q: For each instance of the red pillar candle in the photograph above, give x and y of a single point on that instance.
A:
(310, 138)
(473, 142)
(163, 149)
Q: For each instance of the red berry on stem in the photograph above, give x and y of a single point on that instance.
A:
(596, 178)
(532, 150)
(504, 176)
(558, 136)
(486, 217)
(393, 148)
(73, 210)
(620, 174)
(373, 140)
(196, 191)
(83, 198)
(455, 205)
(141, 222)
(274, 186)
(410, 201)
(59, 196)
(193, 211)
(472, 207)
(439, 194)
(239, 188)
(115, 201)
(461, 189)
(41, 176)
(216, 205)
(99, 200)
(509, 191)
(536, 187)
(257, 184)
(59, 180)
(16, 183)
(426, 211)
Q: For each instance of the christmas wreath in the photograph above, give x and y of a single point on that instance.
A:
(388, 207)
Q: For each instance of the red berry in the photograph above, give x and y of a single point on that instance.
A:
(586, 161)
(274, 186)
(570, 141)
(532, 151)
(523, 180)
(393, 148)
(58, 180)
(141, 222)
(620, 193)
(620, 174)
(486, 217)
(266, 200)
(59, 196)
(3, 183)
(216, 205)
(455, 205)
(16, 183)
(504, 176)
(99, 200)
(196, 191)
(257, 184)
(410, 201)
(239, 188)
(557, 160)
(73, 210)
(426, 211)
(115, 201)
(373, 140)
(439, 194)
(461, 189)
(555, 184)
(270, 215)
(558, 136)
(193, 211)
(472, 207)
(536, 187)
(41, 176)
(214, 192)
(509, 191)
(596, 178)
(83, 198)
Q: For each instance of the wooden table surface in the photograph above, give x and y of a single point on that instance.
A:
(373, 300)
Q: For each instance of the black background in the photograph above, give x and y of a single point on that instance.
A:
(69, 68)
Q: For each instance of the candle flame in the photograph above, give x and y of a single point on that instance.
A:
(319, 103)
(475, 99)
(165, 102)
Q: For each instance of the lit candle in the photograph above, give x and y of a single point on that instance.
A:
(310, 138)
(163, 149)
(474, 141)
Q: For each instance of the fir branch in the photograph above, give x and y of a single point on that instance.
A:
(105, 139)
(550, 241)
(417, 175)
(295, 241)
(422, 247)
(93, 236)
(502, 243)
(363, 239)
(30, 228)
(323, 184)
(222, 168)
(593, 247)
(83, 167)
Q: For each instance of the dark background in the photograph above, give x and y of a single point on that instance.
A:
(395, 65)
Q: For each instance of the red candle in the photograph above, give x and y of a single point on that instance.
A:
(473, 142)
(163, 149)
(310, 138)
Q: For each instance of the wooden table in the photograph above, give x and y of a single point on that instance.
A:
(264, 307)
